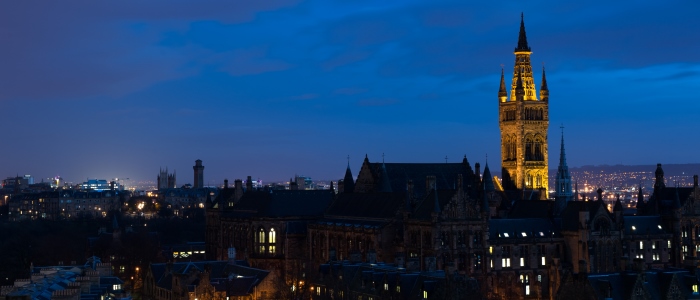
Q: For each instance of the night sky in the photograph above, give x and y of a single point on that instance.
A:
(104, 89)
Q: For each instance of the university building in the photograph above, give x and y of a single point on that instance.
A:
(453, 231)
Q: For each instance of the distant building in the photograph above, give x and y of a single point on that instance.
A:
(99, 185)
(166, 180)
(91, 281)
(205, 280)
(64, 204)
(198, 174)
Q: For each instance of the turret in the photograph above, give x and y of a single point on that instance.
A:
(544, 90)
(502, 94)
(348, 181)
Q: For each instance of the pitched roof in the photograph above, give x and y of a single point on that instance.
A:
(445, 175)
(366, 205)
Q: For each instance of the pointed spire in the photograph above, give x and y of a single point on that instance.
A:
(488, 180)
(618, 204)
(562, 153)
(522, 37)
(348, 181)
(502, 94)
(576, 194)
(544, 90)
(519, 89)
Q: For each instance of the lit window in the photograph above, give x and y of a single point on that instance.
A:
(641, 245)
(425, 294)
(695, 288)
(272, 236)
(527, 289)
(539, 278)
(505, 262)
(659, 226)
(398, 289)
(524, 234)
(490, 249)
(634, 228)
(522, 261)
(505, 234)
(116, 287)
(669, 244)
(386, 286)
(543, 261)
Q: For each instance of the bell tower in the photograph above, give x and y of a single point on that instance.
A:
(524, 120)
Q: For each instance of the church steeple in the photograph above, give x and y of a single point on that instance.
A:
(502, 94)
(522, 37)
(563, 179)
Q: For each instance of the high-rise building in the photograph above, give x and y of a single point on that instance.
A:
(198, 174)
(523, 120)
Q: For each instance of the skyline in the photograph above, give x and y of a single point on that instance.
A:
(91, 90)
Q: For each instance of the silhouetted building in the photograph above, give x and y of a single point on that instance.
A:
(166, 180)
(198, 174)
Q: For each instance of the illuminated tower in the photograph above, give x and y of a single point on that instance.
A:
(524, 121)
(198, 174)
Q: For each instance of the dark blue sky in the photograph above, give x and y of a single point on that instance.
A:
(270, 89)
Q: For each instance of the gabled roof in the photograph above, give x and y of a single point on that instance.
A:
(570, 215)
(426, 206)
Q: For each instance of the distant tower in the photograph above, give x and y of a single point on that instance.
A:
(198, 174)
(166, 180)
(524, 121)
(563, 180)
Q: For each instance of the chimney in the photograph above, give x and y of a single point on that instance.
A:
(695, 180)
(249, 184)
(226, 184)
(238, 189)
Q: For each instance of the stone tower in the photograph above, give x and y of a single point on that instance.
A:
(198, 174)
(524, 121)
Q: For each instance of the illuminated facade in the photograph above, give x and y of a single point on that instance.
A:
(524, 121)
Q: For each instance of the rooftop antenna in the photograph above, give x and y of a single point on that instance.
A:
(445, 158)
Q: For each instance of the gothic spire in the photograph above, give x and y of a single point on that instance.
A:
(502, 94)
(544, 90)
(522, 38)
(488, 180)
(519, 90)
(348, 181)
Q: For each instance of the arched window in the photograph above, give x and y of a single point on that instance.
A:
(271, 237)
(261, 235)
